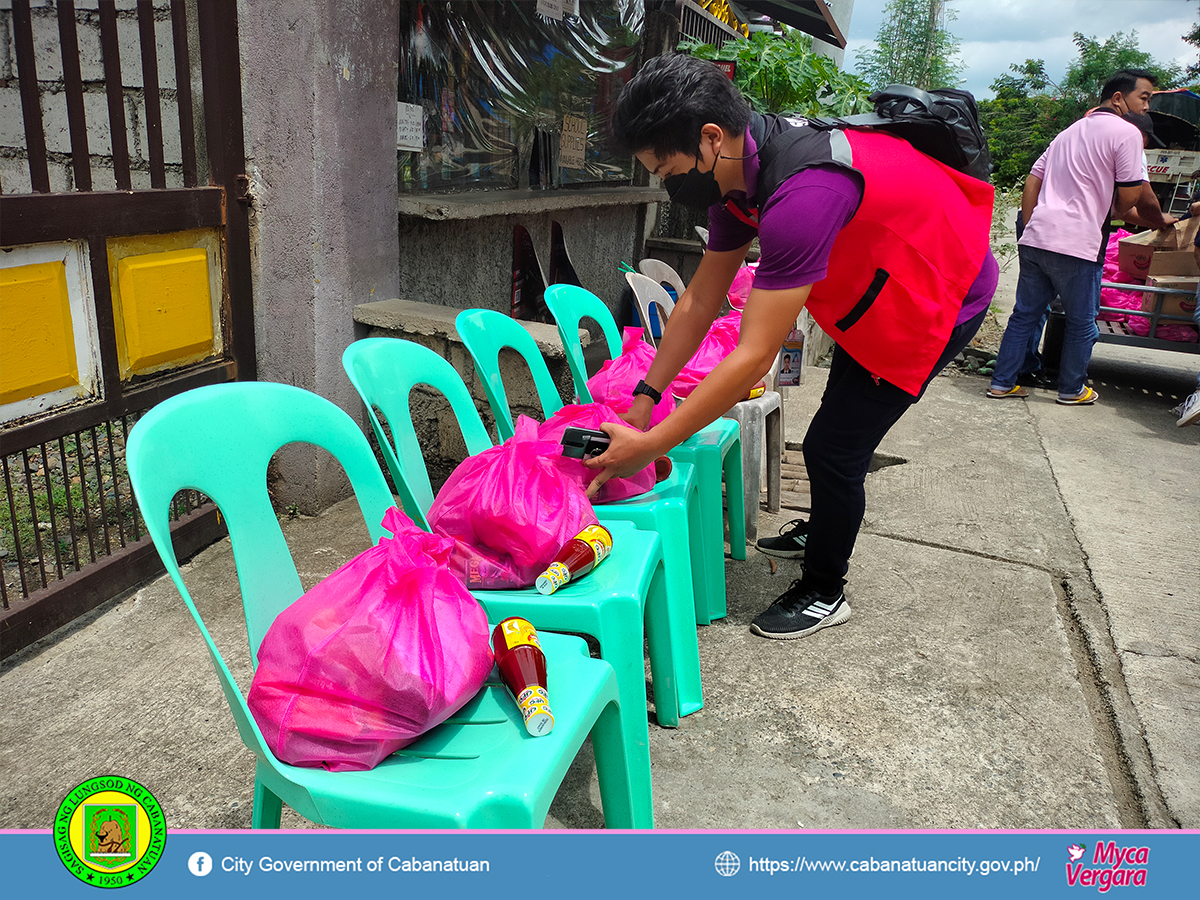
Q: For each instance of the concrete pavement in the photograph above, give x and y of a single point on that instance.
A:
(1023, 651)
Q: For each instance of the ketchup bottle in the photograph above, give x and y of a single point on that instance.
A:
(577, 557)
(523, 670)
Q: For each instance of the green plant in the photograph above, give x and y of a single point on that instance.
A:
(1029, 109)
(913, 46)
(781, 74)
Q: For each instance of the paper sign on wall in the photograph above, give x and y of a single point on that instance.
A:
(410, 126)
(573, 144)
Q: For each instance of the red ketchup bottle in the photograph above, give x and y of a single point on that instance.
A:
(523, 670)
(577, 557)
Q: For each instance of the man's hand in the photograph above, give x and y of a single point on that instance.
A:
(639, 412)
(628, 453)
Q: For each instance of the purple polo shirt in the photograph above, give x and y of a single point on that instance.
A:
(798, 225)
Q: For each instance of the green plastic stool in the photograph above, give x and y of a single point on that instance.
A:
(611, 604)
(479, 769)
(671, 508)
(714, 450)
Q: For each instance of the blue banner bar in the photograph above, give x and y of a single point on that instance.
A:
(578, 865)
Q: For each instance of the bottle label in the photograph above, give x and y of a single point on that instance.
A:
(598, 537)
(534, 704)
(519, 633)
(553, 578)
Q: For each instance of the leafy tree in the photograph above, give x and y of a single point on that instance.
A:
(1191, 74)
(1086, 76)
(913, 46)
(1030, 109)
(781, 74)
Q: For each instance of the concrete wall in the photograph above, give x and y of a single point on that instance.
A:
(468, 262)
(319, 92)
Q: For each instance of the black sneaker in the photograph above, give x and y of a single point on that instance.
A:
(790, 542)
(799, 612)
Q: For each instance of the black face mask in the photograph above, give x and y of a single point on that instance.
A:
(694, 189)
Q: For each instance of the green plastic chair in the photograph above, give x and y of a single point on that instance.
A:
(714, 450)
(611, 604)
(671, 508)
(479, 769)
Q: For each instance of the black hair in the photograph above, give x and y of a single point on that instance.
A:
(666, 104)
(1124, 81)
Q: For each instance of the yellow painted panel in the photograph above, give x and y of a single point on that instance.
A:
(37, 341)
(163, 308)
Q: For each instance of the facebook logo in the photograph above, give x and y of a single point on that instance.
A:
(200, 864)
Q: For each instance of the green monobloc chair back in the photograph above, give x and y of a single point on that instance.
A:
(485, 333)
(570, 305)
(384, 371)
(218, 440)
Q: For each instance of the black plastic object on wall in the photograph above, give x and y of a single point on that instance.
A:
(561, 269)
(528, 282)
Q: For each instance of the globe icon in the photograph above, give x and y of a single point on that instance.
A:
(727, 863)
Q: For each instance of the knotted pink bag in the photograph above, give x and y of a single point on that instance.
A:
(591, 415)
(614, 383)
(384, 649)
(720, 341)
(510, 509)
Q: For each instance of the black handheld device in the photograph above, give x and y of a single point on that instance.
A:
(581, 443)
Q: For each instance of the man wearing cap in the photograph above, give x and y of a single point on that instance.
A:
(1095, 165)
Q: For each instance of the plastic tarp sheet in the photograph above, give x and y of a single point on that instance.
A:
(1176, 116)
(498, 82)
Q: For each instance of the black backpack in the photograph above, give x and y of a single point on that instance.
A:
(943, 124)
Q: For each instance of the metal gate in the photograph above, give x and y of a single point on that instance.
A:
(124, 279)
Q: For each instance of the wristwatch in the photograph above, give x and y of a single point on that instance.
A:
(643, 388)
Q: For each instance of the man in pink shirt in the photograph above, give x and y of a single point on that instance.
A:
(1092, 167)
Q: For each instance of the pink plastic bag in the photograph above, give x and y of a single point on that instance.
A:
(384, 649)
(1112, 273)
(722, 337)
(739, 290)
(617, 378)
(510, 509)
(591, 415)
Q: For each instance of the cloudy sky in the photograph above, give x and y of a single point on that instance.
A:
(995, 33)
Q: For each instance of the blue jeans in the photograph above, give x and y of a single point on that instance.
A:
(1077, 284)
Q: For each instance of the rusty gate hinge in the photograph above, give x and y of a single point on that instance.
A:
(242, 190)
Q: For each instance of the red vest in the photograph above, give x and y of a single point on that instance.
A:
(899, 270)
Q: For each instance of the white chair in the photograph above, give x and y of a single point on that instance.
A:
(760, 419)
(663, 274)
(646, 293)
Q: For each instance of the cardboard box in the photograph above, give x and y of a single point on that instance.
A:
(1174, 262)
(1135, 253)
(1183, 304)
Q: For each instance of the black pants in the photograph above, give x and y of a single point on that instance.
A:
(856, 412)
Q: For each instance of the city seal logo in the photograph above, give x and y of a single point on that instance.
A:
(109, 831)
